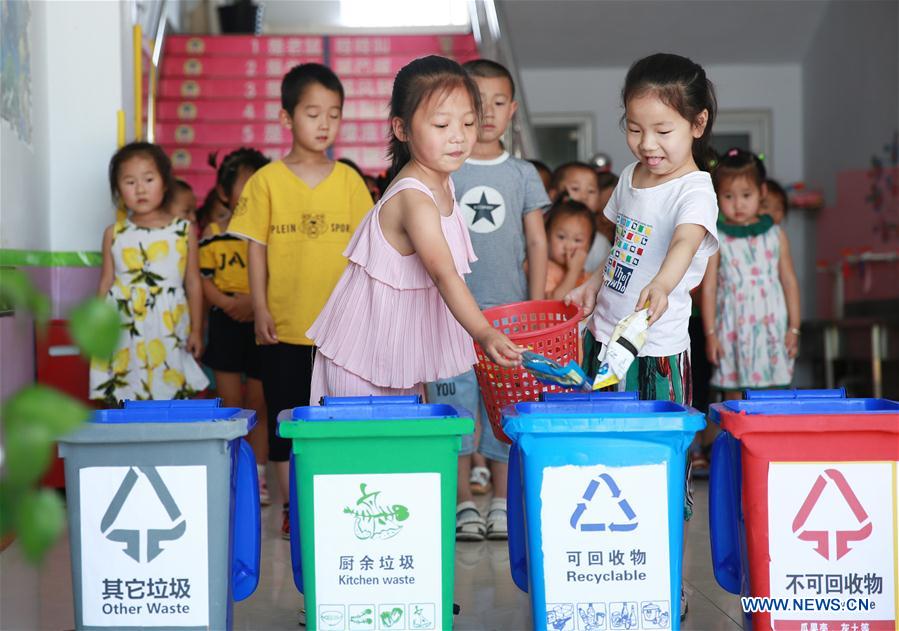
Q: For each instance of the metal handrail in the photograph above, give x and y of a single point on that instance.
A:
(155, 62)
(488, 26)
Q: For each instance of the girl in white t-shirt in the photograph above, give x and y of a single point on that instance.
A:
(664, 209)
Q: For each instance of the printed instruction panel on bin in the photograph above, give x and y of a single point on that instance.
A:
(144, 546)
(834, 541)
(606, 547)
(378, 551)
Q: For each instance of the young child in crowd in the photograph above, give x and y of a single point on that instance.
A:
(231, 351)
(298, 214)
(569, 234)
(184, 203)
(775, 201)
(401, 314)
(545, 173)
(665, 210)
(150, 274)
(501, 199)
(580, 182)
(750, 296)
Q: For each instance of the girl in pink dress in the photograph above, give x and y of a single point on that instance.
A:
(401, 314)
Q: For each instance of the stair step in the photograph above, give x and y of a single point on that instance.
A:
(259, 111)
(250, 68)
(253, 134)
(195, 157)
(225, 88)
(458, 46)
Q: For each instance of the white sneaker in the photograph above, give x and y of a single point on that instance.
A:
(264, 498)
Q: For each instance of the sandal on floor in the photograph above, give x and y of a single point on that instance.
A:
(470, 525)
(480, 480)
(497, 523)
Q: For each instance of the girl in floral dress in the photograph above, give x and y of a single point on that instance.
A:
(750, 295)
(151, 274)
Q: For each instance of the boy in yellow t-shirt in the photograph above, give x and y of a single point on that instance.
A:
(298, 214)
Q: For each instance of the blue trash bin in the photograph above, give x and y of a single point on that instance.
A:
(163, 511)
(596, 493)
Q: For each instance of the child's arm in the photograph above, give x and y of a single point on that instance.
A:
(194, 289)
(238, 307)
(421, 222)
(684, 245)
(709, 289)
(265, 324)
(535, 235)
(574, 269)
(107, 272)
(791, 294)
(584, 296)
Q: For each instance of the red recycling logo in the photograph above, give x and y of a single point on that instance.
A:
(843, 537)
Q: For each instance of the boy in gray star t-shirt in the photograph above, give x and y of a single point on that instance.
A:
(502, 199)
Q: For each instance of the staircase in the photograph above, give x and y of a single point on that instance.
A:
(218, 93)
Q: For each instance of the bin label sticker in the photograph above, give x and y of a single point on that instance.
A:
(144, 548)
(606, 547)
(832, 536)
(378, 551)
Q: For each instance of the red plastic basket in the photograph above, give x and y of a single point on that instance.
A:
(547, 327)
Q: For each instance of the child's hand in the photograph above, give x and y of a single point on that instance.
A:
(500, 349)
(195, 344)
(657, 299)
(240, 308)
(265, 328)
(713, 349)
(575, 259)
(584, 297)
(792, 343)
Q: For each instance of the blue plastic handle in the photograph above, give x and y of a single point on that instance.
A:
(518, 561)
(563, 397)
(766, 395)
(296, 552)
(724, 512)
(245, 543)
(405, 399)
(176, 403)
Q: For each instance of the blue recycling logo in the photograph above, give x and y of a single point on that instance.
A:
(154, 536)
(606, 480)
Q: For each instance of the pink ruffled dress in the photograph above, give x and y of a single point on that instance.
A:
(386, 329)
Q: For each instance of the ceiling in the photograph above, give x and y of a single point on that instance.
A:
(613, 33)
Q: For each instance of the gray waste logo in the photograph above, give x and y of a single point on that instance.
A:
(154, 536)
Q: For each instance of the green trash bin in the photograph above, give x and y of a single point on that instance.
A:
(376, 491)
(163, 512)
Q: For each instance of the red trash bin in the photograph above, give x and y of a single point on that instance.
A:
(819, 493)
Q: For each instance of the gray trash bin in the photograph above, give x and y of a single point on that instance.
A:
(163, 510)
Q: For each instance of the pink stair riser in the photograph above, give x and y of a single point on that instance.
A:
(269, 133)
(295, 45)
(231, 88)
(256, 110)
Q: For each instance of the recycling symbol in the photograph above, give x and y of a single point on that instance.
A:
(843, 537)
(593, 486)
(154, 536)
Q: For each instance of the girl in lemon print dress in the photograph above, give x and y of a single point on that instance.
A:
(151, 273)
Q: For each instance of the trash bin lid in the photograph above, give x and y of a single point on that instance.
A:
(374, 416)
(807, 415)
(162, 423)
(599, 416)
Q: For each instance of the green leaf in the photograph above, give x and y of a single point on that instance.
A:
(28, 447)
(45, 406)
(16, 290)
(95, 327)
(39, 522)
(9, 499)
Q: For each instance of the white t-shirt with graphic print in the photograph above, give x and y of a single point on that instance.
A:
(645, 220)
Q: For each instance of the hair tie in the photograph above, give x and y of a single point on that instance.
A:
(732, 153)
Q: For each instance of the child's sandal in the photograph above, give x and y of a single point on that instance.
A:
(470, 525)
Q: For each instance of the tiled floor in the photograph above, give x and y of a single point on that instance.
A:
(31, 599)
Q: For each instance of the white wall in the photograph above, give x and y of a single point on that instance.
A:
(24, 197)
(851, 79)
(85, 90)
